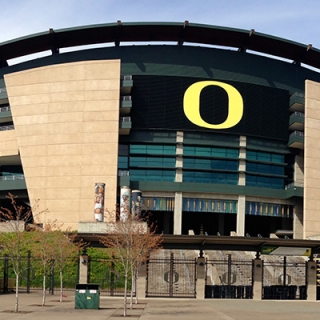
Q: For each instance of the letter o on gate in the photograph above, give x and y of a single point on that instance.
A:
(191, 105)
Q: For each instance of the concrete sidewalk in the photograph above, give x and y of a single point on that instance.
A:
(158, 309)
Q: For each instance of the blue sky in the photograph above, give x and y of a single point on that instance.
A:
(297, 20)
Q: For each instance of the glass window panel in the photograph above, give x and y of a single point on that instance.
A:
(138, 149)
(233, 153)
(277, 158)
(122, 162)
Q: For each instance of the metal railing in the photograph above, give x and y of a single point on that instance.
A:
(297, 114)
(4, 109)
(125, 119)
(297, 133)
(126, 77)
(123, 173)
(12, 177)
(5, 128)
(125, 98)
(298, 94)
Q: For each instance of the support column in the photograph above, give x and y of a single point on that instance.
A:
(298, 220)
(312, 280)
(201, 276)
(241, 214)
(177, 214)
(141, 283)
(299, 170)
(83, 269)
(257, 279)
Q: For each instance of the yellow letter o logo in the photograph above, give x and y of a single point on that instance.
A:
(191, 105)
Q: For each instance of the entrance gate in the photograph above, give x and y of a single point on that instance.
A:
(171, 278)
(229, 279)
(284, 280)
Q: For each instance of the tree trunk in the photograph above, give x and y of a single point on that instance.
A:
(136, 285)
(132, 288)
(61, 286)
(44, 290)
(125, 293)
(16, 306)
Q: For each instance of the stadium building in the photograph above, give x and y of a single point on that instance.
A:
(218, 128)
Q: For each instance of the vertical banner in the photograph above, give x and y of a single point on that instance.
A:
(99, 202)
(124, 203)
(136, 204)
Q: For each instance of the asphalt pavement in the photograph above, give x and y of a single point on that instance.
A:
(157, 309)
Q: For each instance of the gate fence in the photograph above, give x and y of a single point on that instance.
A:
(110, 276)
(229, 278)
(284, 280)
(31, 275)
(171, 278)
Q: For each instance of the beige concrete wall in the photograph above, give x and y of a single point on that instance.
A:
(299, 170)
(8, 143)
(311, 206)
(66, 121)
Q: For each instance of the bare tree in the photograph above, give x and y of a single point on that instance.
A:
(130, 242)
(14, 240)
(44, 249)
(65, 248)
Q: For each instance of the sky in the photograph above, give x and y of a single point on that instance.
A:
(296, 20)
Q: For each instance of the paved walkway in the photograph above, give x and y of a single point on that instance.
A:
(158, 309)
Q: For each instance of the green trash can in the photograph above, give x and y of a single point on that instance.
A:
(87, 296)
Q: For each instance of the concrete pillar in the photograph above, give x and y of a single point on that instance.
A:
(83, 269)
(141, 283)
(298, 220)
(201, 278)
(299, 170)
(312, 280)
(241, 215)
(257, 279)
(177, 214)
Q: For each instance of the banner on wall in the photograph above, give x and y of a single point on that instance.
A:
(99, 191)
(158, 204)
(269, 209)
(124, 203)
(209, 205)
(136, 204)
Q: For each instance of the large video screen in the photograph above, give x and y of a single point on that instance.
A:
(157, 103)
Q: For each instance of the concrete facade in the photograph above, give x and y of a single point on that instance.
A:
(311, 205)
(66, 129)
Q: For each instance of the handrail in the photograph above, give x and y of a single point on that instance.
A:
(125, 119)
(12, 177)
(297, 133)
(5, 128)
(4, 109)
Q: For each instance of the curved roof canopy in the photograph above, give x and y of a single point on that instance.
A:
(178, 33)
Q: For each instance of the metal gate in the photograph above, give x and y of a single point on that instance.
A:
(229, 278)
(110, 276)
(171, 278)
(284, 279)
